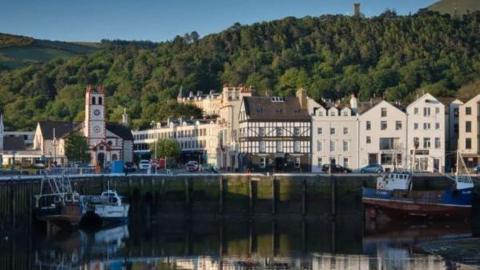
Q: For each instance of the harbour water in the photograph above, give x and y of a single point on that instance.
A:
(153, 242)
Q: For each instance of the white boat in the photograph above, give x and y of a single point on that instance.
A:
(108, 207)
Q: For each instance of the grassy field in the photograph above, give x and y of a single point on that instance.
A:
(17, 52)
(456, 7)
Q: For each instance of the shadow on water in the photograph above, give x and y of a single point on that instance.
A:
(240, 243)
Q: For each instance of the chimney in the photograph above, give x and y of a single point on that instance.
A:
(356, 9)
(302, 98)
(354, 103)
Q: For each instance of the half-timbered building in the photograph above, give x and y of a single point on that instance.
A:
(275, 134)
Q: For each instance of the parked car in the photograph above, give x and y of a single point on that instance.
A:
(372, 168)
(335, 169)
(192, 166)
(144, 164)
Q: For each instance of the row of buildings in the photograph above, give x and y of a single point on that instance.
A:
(107, 141)
(263, 133)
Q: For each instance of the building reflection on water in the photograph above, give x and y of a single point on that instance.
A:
(346, 243)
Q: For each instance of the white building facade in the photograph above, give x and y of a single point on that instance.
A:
(469, 130)
(427, 131)
(198, 139)
(383, 137)
(334, 135)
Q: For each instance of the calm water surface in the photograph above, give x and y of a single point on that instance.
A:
(233, 243)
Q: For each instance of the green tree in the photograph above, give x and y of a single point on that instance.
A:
(76, 148)
(165, 148)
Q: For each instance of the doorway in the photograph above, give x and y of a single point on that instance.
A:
(100, 159)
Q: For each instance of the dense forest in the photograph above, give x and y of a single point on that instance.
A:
(390, 56)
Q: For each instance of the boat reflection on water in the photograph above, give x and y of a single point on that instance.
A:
(394, 243)
(262, 245)
(70, 250)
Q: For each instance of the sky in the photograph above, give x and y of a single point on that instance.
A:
(160, 20)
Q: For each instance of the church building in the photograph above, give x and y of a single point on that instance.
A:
(106, 141)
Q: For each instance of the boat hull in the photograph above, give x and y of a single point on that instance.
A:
(434, 205)
(63, 216)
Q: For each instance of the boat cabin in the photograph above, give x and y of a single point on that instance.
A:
(395, 181)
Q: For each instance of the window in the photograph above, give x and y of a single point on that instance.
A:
(468, 110)
(398, 125)
(296, 131)
(369, 140)
(415, 110)
(345, 146)
(468, 143)
(468, 126)
(437, 125)
(262, 147)
(455, 112)
(369, 125)
(319, 131)
(279, 147)
(345, 130)
(387, 143)
(263, 162)
(319, 146)
(319, 161)
(261, 132)
(426, 126)
(426, 111)
(99, 100)
(332, 131)
(93, 101)
(437, 110)
(278, 131)
(384, 112)
(386, 159)
(383, 125)
(296, 146)
(345, 163)
(437, 143)
(416, 142)
(415, 125)
(332, 146)
(426, 143)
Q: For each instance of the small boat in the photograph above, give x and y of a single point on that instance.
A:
(108, 207)
(58, 204)
(394, 196)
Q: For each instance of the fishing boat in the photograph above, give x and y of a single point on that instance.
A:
(108, 207)
(58, 204)
(394, 196)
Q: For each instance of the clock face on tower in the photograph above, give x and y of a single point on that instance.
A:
(96, 112)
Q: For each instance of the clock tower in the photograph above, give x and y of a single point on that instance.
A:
(94, 128)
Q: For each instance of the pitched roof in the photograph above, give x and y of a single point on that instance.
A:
(120, 130)
(61, 128)
(275, 108)
(13, 143)
(365, 106)
(447, 100)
